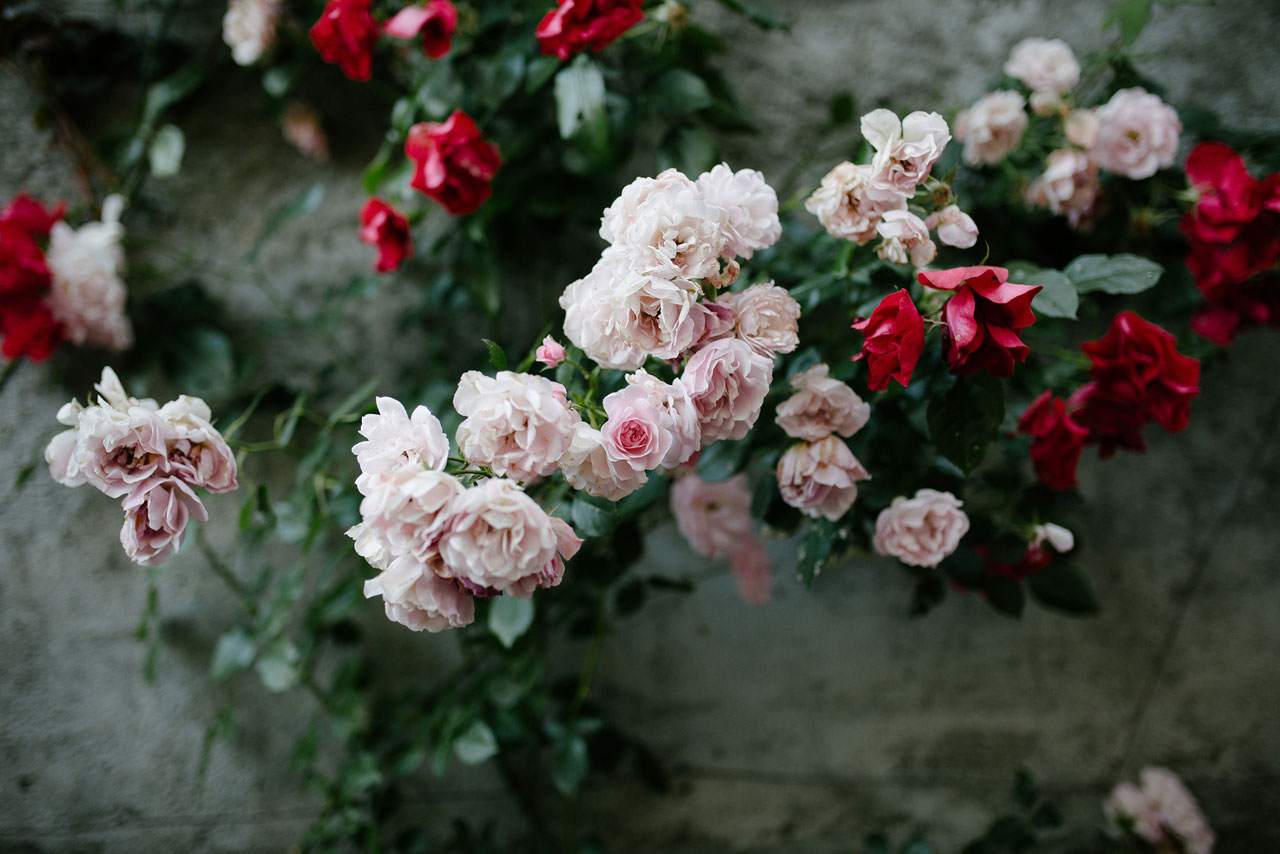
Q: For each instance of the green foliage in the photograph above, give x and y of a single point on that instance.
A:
(1113, 274)
(965, 421)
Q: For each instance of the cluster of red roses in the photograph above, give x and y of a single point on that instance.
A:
(27, 325)
(1138, 376)
(982, 320)
(1234, 232)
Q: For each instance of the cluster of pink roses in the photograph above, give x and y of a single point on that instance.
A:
(863, 201)
(1159, 814)
(155, 457)
(715, 519)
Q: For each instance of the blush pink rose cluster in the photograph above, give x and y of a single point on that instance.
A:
(715, 519)
(865, 201)
(154, 457)
(1159, 812)
(921, 530)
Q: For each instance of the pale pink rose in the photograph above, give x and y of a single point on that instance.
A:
(921, 530)
(820, 479)
(1044, 64)
(301, 129)
(906, 239)
(663, 227)
(404, 512)
(249, 28)
(567, 544)
(1179, 813)
(714, 517)
(634, 433)
(87, 295)
(992, 128)
(61, 451)
(111, 393)
(844, 207)
(768, 318)
(905, 150)
(718, 321)
(394, 440)
(1061, 539)
(1046, 103)
(497, 536)
(592, 320)
(416, 597)
(1069, 185)
(677, 414)
(517, 424)
(116, 451)
(1127, 808)
(752, 571)
(727, 381)
(156, 516)
(587, 466)
(197, 452)
(821, 406)
(658, 316)
(1081, 128)
(1137, 134)
(749, 209)
(955, 227)
(550, 352)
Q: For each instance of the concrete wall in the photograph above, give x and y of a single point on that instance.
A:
(796, 727)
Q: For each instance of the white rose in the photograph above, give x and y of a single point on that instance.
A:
(955, 227)
(768, 319)
(88, 296)
(663, 227)
(1137, 134)
(497, 536)
(905, 150)
(249, 28)
(906, 239)
(394, 439)
(591, 319)
(416, 597)
(749, 206)
(844, 207)
(517, 424)
(992, 128)
(1044, 65)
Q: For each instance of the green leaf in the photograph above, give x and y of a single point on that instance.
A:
(579, 91)
(497, 357)
(840, 108)
(1061, 586)
(306, 202)
(570, 764)
(205, 364)
(1059, 297)
(965, 421)
(688, 148)
(815, 551)
(476, 744)
(165, 154)
(169, 91)
(509, 618)
(278, 666)
(927, 595)
(353, 402)
(1005, 595)
(1132, 16)
(680, 92)
(234, 651)
(591, 519)
(539, 72)
(1113, 274)
(720, 460)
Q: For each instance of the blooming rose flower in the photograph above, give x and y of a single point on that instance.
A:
(60, 454)
(497, 536)
(844, 207)
(821, 406)
(87, 295)
(29, 329)
(727, 382)
(156, 516)
(550, 352)
(567, 544)
(983, 318)
(386, 229)
(921, 530)
(30, 217)
(301, 128)
(579, 25)
(587, 466)
(592, 320)
(1057, 441)
(1219, 268)
(517, 424)
(23, 270)
(1046, 65)
(346, 34)
(749, 206)
(453, 164)
(768, 318)
(634, 433)
(657, 316)
(1061, 539)
(117, 450)
(1128, 808)
(894, 341)
(435, 23)
(1139, 362)
(1161, 812)
(1112, 419)
(992, 128)
(394, 440)
(752, 570)
(1137, 134)
(905, 150)
(1228, 197)
(820, 479)
(664, 227)
(1045, 103)
(197, 453)
(665, 410)
(1069, 185)
(1081, 128)
(416, 597)
(713, 516)
(955, 227)
(906, 239)
(1255, 303)
(249, 28)
(405, 511)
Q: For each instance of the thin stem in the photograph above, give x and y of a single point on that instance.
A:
(224, 572)
(6, 373)
(588, 668)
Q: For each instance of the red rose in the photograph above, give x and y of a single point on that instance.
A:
(1229, 197)
(578, 25)
(983, 318)
(1034, 559)
(29, 216)
(386, 228)
(1112, 420)
(346, 34)
(1057, 441)
(29, 329)
(1255, 303)
(454, 164)
(22, 266)
(436, 22)
(894, 341)
(1219, 266)
(1138, 362)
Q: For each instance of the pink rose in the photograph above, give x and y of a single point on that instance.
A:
(1137, 134)
(550, 352)
(1081, 128)
(727, 381)
(663, 227)
(592, 320)
(197, 452)
(517, 424)
(752, 571)
(395, 440)
(1045, 65)
(1160, 812)
(821, 406)
(921, 530)
(497, 536)
(657, 316)
(768, 319)
(820, 479)
(992, 128)
(905, 150)
(117, 451)
(156, 516)
(61, 451)
(301, 128)
(717, 321)
(906, 239)
(404, 512)
(634, 435)
(671, 413)
(714, 517)
(416, 597)
(749, 209)
(844, 206)
(955, 227)
(567, 544)
(1069, 185)
(587, 466)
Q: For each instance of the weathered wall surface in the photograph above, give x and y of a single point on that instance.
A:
(792, 728)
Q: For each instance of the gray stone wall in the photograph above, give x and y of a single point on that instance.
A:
(796, 727)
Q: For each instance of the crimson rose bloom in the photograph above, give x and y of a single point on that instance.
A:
(346, 34)
(22, 266)
(387, 229)
(894, 341)
(1138, 362)
(1217, 267)
(436, 22)
(578, 25)
(983, 318)
(1229, 197)
(1255, 303)
(1057, 441)
(29, 328)
(30, 217)
(454, 164)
